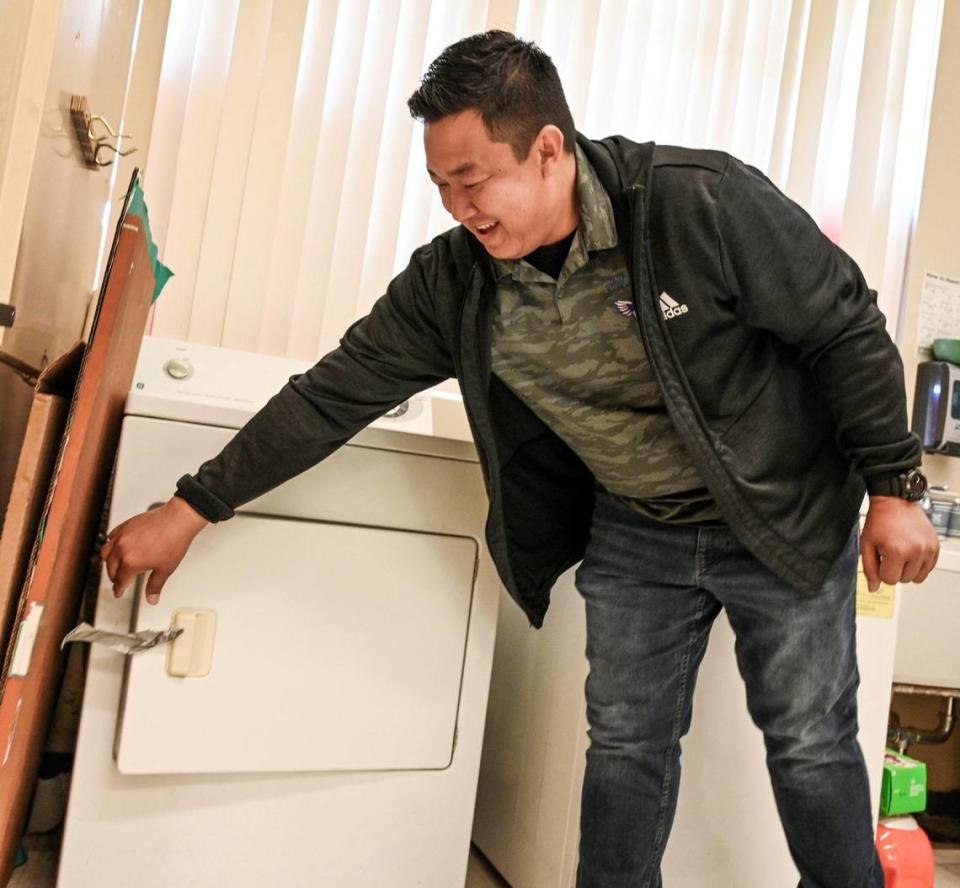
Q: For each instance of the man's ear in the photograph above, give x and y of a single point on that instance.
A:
(548, 146)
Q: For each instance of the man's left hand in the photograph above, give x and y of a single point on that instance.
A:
(898, 543)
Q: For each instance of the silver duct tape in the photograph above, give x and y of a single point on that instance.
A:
(124, 642)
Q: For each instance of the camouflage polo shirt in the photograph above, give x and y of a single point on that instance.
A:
(571, 349)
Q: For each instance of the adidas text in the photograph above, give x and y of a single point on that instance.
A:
(670, 307)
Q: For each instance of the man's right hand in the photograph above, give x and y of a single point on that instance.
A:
(154, 541)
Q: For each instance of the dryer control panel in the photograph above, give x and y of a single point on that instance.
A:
(200, 383)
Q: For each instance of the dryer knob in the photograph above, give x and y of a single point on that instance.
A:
(398, 411)
(179, 368)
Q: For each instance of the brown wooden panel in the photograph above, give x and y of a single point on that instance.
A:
(68, 527)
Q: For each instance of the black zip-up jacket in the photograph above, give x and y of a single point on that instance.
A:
(779, 376)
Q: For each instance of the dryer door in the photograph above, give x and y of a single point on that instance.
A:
(335, 647)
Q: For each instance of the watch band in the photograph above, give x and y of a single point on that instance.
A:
(910, 485)
(891, 485)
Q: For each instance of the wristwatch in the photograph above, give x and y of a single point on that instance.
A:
(910, 485)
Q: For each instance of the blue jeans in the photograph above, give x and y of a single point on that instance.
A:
(652, 592)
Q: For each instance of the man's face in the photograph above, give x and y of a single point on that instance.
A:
(509, 206)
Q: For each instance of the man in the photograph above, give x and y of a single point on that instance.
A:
(669, 373)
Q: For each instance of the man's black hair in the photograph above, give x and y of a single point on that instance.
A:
(512, 83)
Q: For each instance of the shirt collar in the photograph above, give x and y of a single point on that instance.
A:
(596, 212)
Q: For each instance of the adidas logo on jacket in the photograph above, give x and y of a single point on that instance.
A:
(670, 307)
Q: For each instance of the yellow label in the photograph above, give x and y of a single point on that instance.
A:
(874, 604)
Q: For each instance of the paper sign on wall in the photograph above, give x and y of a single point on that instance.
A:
(939, 312)
(874, 604)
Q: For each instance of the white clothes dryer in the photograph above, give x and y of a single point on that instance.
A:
(928, 652)
(319, 722)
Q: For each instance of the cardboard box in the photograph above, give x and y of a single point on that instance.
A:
(31, 481)
(904, 788)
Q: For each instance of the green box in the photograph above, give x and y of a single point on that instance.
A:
(904, 789)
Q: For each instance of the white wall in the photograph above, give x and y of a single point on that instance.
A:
(56, 216)
(26, 48)
(936, 242)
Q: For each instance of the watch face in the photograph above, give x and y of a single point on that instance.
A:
(916, 485)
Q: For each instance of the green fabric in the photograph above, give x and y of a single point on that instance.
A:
(138, 207)
(571, 349)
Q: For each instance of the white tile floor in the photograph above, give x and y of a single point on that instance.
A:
(40, 871)
(947, 877)
(948, 868)
(481, 875)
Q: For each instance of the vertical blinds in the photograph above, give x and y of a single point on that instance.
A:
(288, 182)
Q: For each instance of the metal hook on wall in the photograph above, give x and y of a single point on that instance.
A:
(109, 147)
(92, 144)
